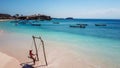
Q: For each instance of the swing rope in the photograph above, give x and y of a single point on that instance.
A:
(31, 46)
(39, 46)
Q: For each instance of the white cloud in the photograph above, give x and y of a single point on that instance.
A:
(110, 13)
(101, 13)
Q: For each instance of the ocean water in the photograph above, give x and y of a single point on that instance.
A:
(100, 44)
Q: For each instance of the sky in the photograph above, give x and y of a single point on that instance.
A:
(103, 9)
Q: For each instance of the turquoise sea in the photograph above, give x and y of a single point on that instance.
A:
(98, 43)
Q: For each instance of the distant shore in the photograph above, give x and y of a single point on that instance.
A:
(1, 20)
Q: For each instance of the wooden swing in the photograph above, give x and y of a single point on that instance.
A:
(36, 50)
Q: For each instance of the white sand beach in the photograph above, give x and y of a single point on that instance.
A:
(58, 54)
(8, 61)
(1, 20)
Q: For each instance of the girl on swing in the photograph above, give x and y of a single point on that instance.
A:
(32, 56)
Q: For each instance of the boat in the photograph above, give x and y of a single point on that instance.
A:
(56, 23)
(83, 24)
(100, 25)
(78, 26)
(69, 18)
(35, 24)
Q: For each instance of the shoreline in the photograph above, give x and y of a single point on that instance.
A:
(2, 20)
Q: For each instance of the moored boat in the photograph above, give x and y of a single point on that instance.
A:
(36, 24)
(100, 25)
(83, 24)
(77, 26)
(56, 23)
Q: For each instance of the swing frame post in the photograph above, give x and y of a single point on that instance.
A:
(44, 51)
(35, 48)
(43, 46)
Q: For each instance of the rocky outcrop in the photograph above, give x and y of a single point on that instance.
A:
(5, 16)
(31, 17)
(35, 17)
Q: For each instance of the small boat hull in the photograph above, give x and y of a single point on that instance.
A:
(77, 26)
(100, 25)
(36, 24)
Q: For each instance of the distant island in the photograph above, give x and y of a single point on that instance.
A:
(69, 18)
(5, 16)
(22, 17)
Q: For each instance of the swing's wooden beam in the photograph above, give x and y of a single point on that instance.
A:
(36, 37)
